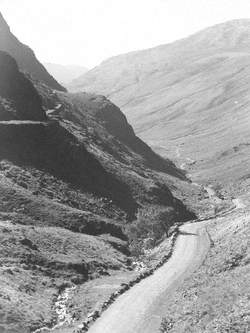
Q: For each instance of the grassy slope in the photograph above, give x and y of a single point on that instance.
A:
(51, 257)
(38, 262)
(216, 297)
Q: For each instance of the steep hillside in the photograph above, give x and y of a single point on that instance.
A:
(19, 99)
(73, 180)
(65, 73)
(188, 100)
(24, 56)
(109, 116)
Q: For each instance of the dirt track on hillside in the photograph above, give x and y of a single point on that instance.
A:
(141, 308)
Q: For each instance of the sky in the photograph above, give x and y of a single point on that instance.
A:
(86, 32)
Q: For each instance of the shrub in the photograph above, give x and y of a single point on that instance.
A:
(152, 223)
(166, 325)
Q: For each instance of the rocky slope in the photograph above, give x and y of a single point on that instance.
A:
(65, 73)
(72, 180)
(188, 100)
(24, 56)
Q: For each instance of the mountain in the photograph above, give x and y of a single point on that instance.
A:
(76, 186)
(189, 100)
(65, 73)
(24, 56)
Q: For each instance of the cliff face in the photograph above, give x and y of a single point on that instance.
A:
(19, 99)
(24, 56)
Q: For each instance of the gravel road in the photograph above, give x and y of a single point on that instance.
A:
(141, 308)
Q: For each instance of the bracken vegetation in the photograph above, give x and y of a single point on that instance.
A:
(152, 224)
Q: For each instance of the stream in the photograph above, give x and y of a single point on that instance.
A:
(60, 307)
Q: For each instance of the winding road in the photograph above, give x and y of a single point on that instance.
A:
(141, 308)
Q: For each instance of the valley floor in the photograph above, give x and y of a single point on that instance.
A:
(199, 289)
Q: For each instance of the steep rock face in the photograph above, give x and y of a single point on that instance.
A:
(19, 99)
(24, 56)
(189, 100)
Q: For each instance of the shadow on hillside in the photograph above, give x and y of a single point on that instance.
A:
(125, 133)
(53, 149)
(115, 122)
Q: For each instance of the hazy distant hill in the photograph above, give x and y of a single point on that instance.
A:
(24, 56)
(65, 73)
(189, 99)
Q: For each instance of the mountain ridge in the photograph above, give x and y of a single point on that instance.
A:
(156, 56)
(24, 56)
